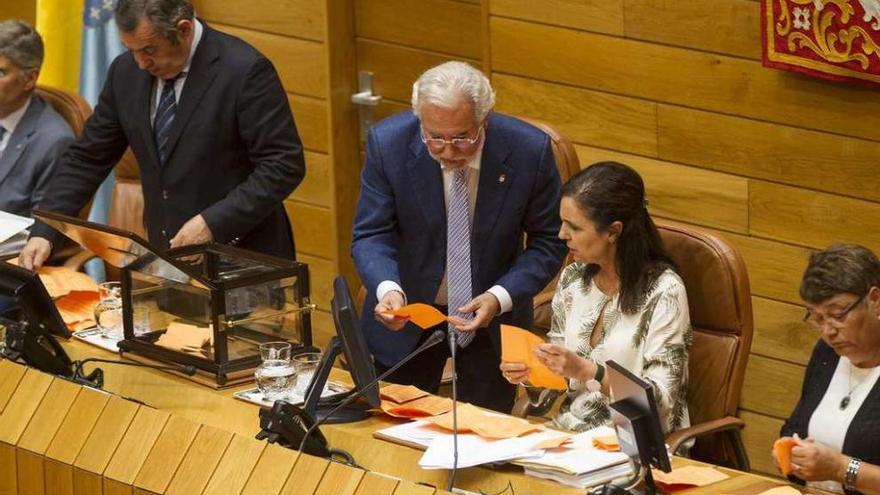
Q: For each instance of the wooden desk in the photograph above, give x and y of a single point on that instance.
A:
(232, 418)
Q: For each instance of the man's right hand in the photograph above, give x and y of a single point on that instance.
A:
(35, 253)
(391, 301)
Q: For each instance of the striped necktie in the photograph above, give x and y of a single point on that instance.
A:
(458, 252)
(164, 118)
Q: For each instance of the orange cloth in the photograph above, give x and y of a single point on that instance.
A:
(782, 451)
(518, 346)
(422, 315)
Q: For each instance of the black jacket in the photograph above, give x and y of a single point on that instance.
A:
(234, 152)
(863, 436)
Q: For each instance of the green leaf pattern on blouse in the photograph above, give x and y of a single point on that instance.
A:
(652, 343)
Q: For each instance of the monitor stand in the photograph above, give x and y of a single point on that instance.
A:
(316, 408)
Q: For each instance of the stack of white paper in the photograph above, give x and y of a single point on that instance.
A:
(474, 450)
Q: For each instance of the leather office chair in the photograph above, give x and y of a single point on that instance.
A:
(717, 284)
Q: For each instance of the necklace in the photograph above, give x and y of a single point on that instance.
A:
(844, 403)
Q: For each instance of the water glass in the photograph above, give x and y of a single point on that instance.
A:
(306, 365)
(276, 375)
(108, 311)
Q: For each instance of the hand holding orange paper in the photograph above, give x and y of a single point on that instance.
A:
(782, 451)
(422, 315)
(518, 346)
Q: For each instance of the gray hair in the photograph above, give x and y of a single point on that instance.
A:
(163, 15)
(447, 84)
(21, 44)
(840, 269)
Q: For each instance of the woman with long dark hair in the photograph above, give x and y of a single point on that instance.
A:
(621, 299)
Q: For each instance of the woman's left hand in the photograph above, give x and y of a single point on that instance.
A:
(812, 461)
(563, 362)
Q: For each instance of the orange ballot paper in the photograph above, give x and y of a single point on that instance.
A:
(518, 346)
(422, 315)
(782, 451)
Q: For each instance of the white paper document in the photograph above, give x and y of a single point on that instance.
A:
(12, 224)
(474, 450)
(578, 456)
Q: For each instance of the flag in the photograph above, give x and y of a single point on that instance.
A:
(837, 40)
(100, 45)
(58, 24)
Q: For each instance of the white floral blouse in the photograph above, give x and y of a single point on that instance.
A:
(652, 343)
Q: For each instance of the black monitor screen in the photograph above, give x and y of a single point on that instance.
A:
(353, 343)
(33, 301)
(30, 335)
(635, 416)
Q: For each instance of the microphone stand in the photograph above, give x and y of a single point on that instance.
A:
(452, 335)
(96, 377)
(433, 340)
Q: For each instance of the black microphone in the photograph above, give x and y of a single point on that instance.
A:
(431, 341)
(96, 377)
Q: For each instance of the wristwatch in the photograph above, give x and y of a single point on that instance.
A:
(595, 384)
(852, 473)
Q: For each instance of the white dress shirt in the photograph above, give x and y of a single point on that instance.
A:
(10, 122)
(181, 79)
(473, 181)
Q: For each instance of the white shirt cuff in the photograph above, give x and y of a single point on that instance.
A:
(503, 297)
(387, 286)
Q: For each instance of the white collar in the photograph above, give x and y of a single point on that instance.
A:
(10, 122)
(197, 38)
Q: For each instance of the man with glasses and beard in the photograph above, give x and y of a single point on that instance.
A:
(459, 209)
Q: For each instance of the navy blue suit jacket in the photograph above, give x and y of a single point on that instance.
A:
(400, 223)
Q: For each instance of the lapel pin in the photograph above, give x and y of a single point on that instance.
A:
(502, 178)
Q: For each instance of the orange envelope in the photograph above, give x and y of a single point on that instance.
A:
(688, 476)
(607, 442)
(423, 407)
(517, 346)
(401, 393)
(486, 425)
(77, 309)
(422, 315)
(782, 451)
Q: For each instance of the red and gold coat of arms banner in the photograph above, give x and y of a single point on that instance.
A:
(832, 39)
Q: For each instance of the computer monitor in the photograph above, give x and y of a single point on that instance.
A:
(350, 341)
(33, 322)
(635, 417)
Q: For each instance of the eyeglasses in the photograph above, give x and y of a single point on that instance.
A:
(835, 320)
(457, 143)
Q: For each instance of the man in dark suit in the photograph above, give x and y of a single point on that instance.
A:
(32, 135)
(447, 197)
(209, 124)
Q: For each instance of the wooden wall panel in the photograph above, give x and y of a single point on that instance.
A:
(758, 438)
(443, 26)
(396, 67)
(767, 378)
(699, 79)
(774, 268)
(780, 331)
(321, 275)
(322, 328)
(776, 153)
(673, 190)
(810, 218)
(300, 64)
(311, 122)
(587, 117)
(311, 229)
(25, 10)
(601, 16)
(298, 18)
(316, 187)
(731, 27)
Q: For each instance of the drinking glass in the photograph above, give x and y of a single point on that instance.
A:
(108, 311)
(276, 374)
(306, 365)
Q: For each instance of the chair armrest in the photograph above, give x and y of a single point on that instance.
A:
(77, 261)
(677, 438)
(543, 298)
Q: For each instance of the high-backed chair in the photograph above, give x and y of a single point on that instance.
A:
(717, 284)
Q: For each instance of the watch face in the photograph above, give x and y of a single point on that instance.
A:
(594, 385)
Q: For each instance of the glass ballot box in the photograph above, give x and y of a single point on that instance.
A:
(209, 306)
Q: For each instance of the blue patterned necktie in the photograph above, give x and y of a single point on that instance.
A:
(458, 252)
(164, 118)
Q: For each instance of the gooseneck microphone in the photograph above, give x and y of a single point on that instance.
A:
(453, 344)
(431, 341)
(96, 377)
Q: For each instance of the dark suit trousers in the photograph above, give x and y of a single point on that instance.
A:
(479, 379)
